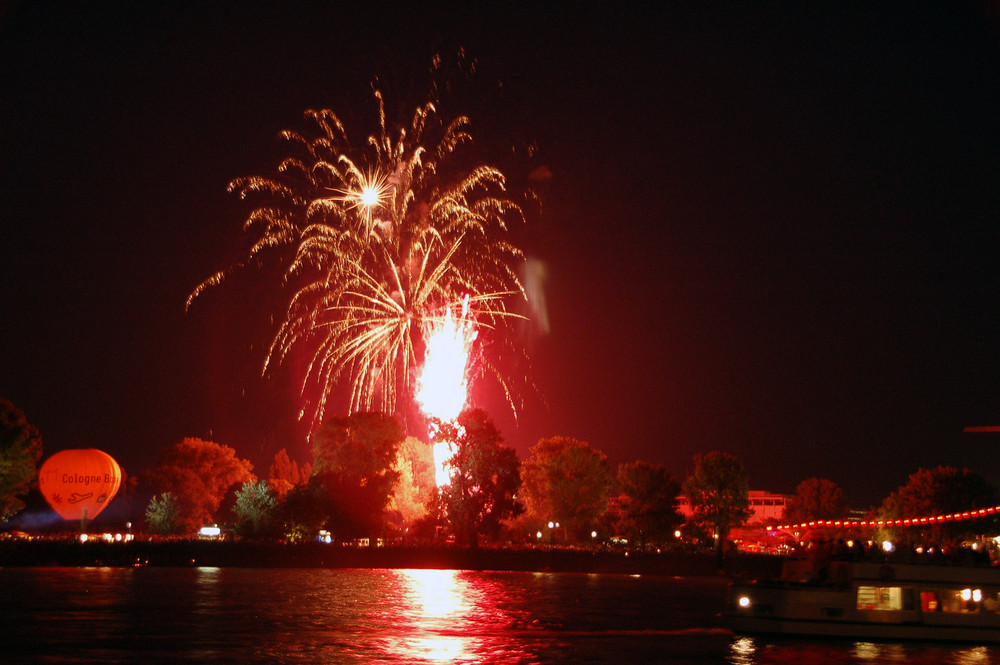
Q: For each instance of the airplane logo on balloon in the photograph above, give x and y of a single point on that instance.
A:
(76, 497)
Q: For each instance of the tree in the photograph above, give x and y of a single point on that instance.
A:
(163, 514)
(199, 474)
(353, 470)
(20, 451)
(816, 499)
(302, 512)
(649, 508)
(718, 491)
(415, 464)
(435, 518)
(284, 474)
(254, 509)
(567, 481)
(485, 478)
(943, 490)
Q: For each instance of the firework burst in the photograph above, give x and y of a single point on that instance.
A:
(376, 242)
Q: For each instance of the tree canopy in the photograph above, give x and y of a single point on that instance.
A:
(485, 478)
(302, 512)
(567, 481)
(649, 505)
(940, 491)
(254, 508)
(162, 515)
(816, 499)
(284, 474)
(354, 470)
(20, 451)
(415, 463)
(718, 491)
(199, 474)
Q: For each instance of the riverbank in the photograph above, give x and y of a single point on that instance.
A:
(15, 553)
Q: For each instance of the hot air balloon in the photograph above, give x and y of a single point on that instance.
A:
(78, 484)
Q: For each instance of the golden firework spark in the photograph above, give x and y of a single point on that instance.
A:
(383, 238)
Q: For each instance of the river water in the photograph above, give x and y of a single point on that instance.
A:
(268, 615)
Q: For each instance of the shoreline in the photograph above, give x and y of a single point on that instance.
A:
(195, 553)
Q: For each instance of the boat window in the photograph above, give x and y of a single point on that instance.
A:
(880, 598)
(958, 600)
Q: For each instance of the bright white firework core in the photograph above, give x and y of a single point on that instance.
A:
(369, 196)
(443, 452)
(442, 387)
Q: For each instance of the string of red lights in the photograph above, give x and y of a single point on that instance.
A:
(909, 521)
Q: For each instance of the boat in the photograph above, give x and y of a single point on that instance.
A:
(871, 600)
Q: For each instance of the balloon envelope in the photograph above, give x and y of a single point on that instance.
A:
(76, 480)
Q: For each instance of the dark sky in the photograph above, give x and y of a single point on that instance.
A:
(769, 231)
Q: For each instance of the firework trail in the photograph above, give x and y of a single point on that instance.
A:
(375, 243)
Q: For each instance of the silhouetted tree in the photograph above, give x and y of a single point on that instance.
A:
(943, 490)
(567, 481)
(649, 505)
(302, 512)
(353, 469)
(484, 480)
(718, 492)
(20, 451)
(816, 499)
(435, 518)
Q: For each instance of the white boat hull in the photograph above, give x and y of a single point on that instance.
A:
(877, 603)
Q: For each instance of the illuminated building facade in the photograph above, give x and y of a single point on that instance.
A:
(766, 507)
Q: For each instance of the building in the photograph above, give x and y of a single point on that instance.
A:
(767, 508)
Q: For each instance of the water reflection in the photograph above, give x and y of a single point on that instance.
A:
(446, 616)
(329, 616)
(880, 653)
(804, 650)
(743, 651)
(435, 593)
(437, 600)
(974, 656)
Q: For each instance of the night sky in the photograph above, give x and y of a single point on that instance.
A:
(769, 231)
